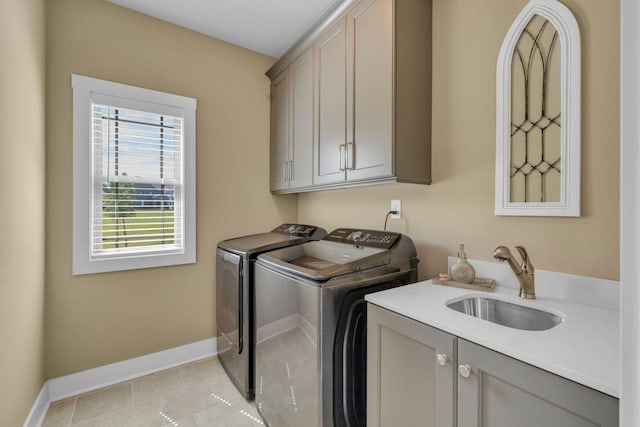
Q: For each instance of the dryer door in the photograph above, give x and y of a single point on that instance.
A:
(229, 307)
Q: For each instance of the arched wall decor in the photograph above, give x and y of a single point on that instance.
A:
(538, 114)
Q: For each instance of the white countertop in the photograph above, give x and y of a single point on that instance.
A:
(584, 348)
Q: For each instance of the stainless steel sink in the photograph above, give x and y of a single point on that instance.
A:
(506, 314)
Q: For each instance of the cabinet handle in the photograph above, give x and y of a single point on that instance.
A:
(464, 371)
(340, 166)
(442, 359)
(290, 170)
(350, 154)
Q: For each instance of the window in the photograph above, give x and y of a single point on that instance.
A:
(133, 177)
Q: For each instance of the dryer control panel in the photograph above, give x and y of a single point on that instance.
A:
(297, 230)
(369, 238)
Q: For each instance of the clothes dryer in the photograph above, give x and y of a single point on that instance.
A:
(235, 300)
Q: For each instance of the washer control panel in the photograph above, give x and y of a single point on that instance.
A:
(297, 230)
(369, 238)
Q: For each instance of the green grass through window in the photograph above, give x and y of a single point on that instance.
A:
(146, 227)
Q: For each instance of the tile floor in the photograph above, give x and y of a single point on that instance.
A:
(198, 394)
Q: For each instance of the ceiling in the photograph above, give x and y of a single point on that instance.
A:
(266, 26)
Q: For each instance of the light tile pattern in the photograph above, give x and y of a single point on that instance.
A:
(198, 394)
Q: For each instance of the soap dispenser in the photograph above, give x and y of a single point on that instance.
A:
(462, 271)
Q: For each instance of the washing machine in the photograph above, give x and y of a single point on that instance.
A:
(311, 324)
(235, 302)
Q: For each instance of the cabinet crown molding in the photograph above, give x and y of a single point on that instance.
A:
(307, 40)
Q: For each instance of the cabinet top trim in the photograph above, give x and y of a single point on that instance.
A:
(337, 11)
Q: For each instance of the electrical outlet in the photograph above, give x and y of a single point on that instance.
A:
(396, 205)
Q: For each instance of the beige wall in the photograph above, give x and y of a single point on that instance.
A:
(97, 319)
(22, 216)
(458, 207)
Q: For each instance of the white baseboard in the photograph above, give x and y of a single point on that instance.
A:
(92, 379)
(39, 408)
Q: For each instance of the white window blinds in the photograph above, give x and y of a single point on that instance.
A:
(137, 181)
(134, 177)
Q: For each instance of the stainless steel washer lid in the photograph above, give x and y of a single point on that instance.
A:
(324, 260)
(281, 236)
(258, 243)
(341, 252)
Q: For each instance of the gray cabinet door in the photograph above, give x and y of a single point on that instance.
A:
(405, 384)
(504, 392)
(370, 90)
(280, 132)
(301, 119)
(330, 143)
(292, 125)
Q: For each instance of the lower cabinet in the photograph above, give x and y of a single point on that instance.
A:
(418, 375)
(409, 381)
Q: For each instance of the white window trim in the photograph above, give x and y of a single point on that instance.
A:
(86, 90)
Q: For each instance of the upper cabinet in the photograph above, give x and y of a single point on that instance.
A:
(355, 91)
(371, 116)
(292, 125)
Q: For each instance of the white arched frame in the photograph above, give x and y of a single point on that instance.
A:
(566, 26)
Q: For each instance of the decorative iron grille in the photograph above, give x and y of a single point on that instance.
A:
(535, 115)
